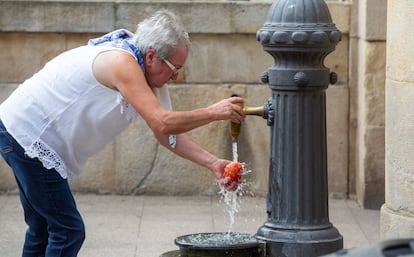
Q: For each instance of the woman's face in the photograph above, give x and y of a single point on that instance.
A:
(160, 71)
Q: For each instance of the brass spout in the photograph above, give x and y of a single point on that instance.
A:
(234, 131)
(235, 127)
(259, 111)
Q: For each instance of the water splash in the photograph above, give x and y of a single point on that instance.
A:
(232, 199)
(232, 204)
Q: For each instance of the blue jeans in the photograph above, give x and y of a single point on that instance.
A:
(55, 227)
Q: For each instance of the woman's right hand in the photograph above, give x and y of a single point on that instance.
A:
(229, 109)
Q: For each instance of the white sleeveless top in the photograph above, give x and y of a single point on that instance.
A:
(62, 115)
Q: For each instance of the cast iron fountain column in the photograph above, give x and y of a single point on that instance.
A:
(299, 34)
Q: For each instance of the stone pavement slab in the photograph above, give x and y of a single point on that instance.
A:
(146, 226)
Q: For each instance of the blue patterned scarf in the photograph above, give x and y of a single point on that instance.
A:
(120, 38)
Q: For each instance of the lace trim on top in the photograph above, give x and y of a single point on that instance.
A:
(49, 158)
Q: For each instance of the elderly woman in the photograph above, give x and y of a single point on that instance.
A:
(78, 102)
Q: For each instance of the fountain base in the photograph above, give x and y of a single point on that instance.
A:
(304, 243)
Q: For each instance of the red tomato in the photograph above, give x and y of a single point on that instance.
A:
(233, 170)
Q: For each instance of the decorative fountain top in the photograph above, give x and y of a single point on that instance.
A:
(298, 32)
(297, 22)
(294, 12)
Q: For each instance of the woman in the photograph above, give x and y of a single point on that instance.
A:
(78, 102)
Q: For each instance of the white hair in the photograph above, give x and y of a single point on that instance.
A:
(162, 32)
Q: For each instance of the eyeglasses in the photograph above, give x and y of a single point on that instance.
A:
(171, 66)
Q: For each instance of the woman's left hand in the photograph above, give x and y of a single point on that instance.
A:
(218, 170)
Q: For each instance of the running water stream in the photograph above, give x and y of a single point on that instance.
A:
(234, 150)
(230, 198)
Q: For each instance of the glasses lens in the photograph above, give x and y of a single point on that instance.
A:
(171, 66)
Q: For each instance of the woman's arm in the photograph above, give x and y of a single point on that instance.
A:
(119, 70)
(190, 150)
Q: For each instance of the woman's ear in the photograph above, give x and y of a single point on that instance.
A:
(150, 56)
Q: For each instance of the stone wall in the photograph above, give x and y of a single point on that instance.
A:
(397, 214)
(225, 59)
(367, 101)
